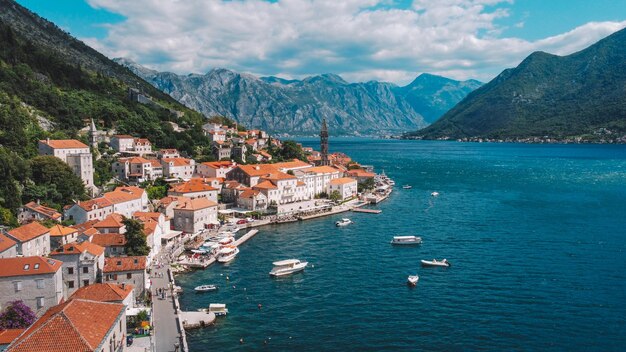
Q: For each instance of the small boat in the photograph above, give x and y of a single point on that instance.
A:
(435, 262)
(435, 194)
(199, 251)
(343, 222)
(406, 240)
(218, 309)
(227, 254)
(288, 266)
(226, 240)
(412, 280)
(407, 187)
(205, 288)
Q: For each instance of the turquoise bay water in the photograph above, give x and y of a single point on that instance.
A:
(536, 235)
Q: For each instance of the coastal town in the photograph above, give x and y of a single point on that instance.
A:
(114, 255)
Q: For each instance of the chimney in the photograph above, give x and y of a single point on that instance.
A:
(48, 140)
(123, 286)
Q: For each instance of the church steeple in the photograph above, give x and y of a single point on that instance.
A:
(93, 135)
(324, 144)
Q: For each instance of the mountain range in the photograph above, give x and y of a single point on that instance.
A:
(298, 106)
(582, 95)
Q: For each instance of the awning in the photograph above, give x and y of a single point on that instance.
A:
(171, 234)
(225, 211)
(134, 311)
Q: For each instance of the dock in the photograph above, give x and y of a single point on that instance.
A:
(245, 237)
(369, 211)
(201, 264)
(194, 320)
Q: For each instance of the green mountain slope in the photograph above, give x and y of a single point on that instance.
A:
(546, 95)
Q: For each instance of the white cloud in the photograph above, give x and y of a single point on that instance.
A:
(359, 39)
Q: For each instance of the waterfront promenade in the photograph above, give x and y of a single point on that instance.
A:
(166, 329)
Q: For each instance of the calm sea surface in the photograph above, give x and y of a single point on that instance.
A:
(536, 235)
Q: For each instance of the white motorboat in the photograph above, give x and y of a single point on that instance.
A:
(435, 194)
(218, 309)
(205, 288)
(435, 262)
(407, 187)
(199, 251)
(406, 240)
(288, 266)
(226, 240)
(227, 254)
(343, 222)
(412, 280)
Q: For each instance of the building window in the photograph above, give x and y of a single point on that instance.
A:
(18, 286)
(39, 283)
(85, 270)
(129, 276)
(40, 302)
(70, 271)
(70, 284)
(85, 282)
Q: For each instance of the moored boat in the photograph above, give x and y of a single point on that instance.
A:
(435, 262)
(205, 288)
(343, 222)
(288, 266)
(407, 187)
(412, 280)
(227, 254)
(435, 194)
(406, 240)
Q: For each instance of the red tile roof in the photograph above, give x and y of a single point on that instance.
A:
(360, 173)
(106, 292)
(250, 193)
(266, 185)
(45, 211)
(7, 336)
(28, 232)
(28, 266)
(342, 181)
(98, 203)
(218, 164)
(294, 164)
(115, 264)
(61, 231)
(76, 325)
(85, 226)
(64, 143)
(185, 203)
(79, 247)
(322, 170)
(113, 220)
(109, 239)
(192, 186)
(123, 136)
(177, 161)
(124, 194)
(6, 243)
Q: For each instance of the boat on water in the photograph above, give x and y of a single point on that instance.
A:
(412, 280)
(227, 254)
(435, 262)
(226, 240)
(219, 309)
(205, 288)
(343, 222)
(406, 240)
(435, 194)
(199, 251)
(287, 267)
(407, 187)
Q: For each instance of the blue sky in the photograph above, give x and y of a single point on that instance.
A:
(389, 40)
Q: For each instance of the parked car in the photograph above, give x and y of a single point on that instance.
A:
(241, 222)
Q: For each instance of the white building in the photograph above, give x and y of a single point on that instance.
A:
(123, 200)
(178, 168)
(35, 280)
(8, 247)
(137, 169)
(83, 263)
(193, 215)
(32, 239)
(346, 186)
(122, 142)
(317, 178)
(129, 271)
(74, 153)
(215, 168)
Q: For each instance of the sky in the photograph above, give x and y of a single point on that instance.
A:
(360, 40)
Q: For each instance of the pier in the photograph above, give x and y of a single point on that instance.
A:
(245, 237)
(369, 211)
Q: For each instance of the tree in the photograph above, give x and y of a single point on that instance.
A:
(335, 196)
(157, 189)
(366, 185)
(56, 180)
(17, 315)
(135, 238)
(291, 150)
